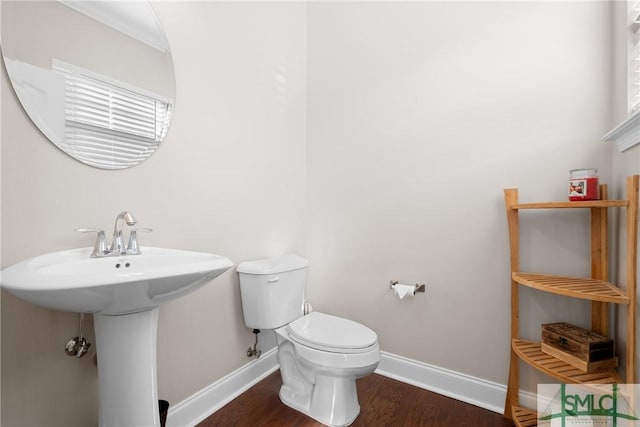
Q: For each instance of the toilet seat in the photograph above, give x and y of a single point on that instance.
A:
(332, 334)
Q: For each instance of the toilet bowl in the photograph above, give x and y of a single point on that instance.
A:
(320, 355)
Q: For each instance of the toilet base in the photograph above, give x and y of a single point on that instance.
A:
(333, 401)
(322, 384)
(327, 394)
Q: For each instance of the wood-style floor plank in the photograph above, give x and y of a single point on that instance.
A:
(384, 403)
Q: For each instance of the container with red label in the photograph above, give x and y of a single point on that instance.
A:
(583, 184)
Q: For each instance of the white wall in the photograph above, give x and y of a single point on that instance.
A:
(418, 115)
(229, 179)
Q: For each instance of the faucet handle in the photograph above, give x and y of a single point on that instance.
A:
(132, 247)
(100, 247)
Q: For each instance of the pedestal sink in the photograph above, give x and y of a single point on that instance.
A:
(124, 293)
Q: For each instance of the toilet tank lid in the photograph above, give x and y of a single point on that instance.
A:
(280, 264)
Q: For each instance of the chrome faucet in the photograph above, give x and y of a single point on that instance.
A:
(117, 247)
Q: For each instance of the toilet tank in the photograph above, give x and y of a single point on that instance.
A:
(272, 290)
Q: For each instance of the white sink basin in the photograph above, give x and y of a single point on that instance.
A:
(72, 281)
(124, 293)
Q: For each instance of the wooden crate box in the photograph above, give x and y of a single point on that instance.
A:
(578, 347)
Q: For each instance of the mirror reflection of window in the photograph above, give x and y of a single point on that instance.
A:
(110, 124)
(117, 45)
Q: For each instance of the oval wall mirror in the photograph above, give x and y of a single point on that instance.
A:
(96, 77)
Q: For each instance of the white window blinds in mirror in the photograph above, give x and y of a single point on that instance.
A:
(109, 124)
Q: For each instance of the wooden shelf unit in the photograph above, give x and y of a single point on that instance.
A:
(596, 289)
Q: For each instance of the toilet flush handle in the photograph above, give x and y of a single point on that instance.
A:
(273, 279)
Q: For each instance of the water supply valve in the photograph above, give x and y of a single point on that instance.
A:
(254, 351)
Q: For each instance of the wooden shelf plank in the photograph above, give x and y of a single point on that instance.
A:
(531, 353)
(573, 205)
(524, 417)
(589, 289)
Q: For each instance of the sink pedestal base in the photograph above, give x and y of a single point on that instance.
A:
(127, 373)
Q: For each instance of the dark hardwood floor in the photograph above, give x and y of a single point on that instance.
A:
(385, 402)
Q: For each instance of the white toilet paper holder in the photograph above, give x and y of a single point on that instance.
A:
(419, 287)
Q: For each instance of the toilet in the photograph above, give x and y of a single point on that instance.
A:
(320, 355)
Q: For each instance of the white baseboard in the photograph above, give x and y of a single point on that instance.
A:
(466, 388)
(199, 406)
(476, 391)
